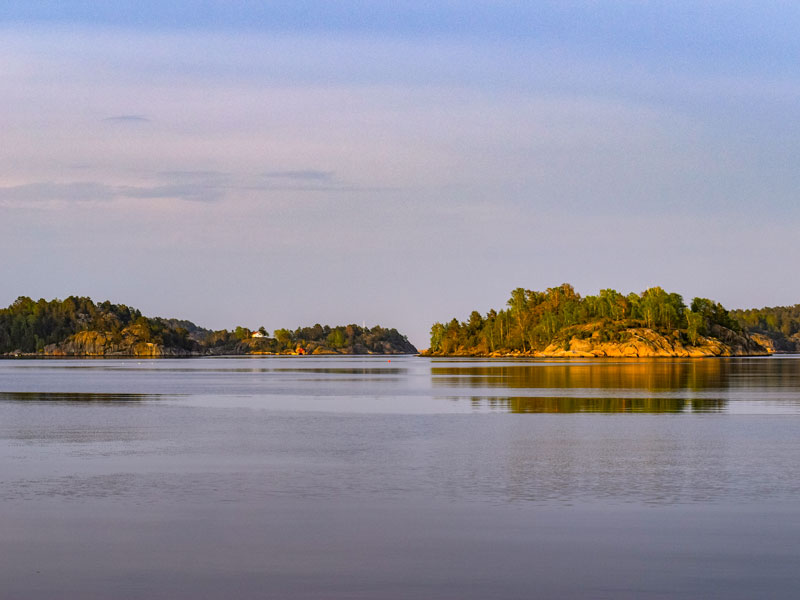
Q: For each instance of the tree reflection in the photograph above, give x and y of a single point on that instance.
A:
(653, 375)
(519, 404)
(76, 397)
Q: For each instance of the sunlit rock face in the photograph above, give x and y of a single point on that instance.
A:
(645, 343)
(639, 342)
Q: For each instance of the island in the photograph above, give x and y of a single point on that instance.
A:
(560, 323)
(77, 326)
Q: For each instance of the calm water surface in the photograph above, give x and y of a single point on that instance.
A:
(364, 477)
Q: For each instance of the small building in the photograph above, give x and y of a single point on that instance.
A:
(257, 334)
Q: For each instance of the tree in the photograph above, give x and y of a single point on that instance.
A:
(694, 325)
(437, 335)
(284, 338)
(517, 309)
(336, 338)
(242, 333)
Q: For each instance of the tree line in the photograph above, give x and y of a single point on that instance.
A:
(28, 326)
(779, 323)
(533, 320)
(343, 339)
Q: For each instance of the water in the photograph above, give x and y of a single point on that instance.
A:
(365, 477)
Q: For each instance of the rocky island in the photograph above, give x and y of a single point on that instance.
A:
(77, 326)
(560, 323)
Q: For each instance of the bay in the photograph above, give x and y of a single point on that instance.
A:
(399, 477)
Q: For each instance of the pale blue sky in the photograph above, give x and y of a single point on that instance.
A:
(285, 163)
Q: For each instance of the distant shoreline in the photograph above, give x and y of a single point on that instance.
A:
(38, 356)
(493, 357)
(560, 323)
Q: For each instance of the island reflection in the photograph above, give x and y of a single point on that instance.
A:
(77, 397)
(643, 386)
(653, 375)
(521, 404)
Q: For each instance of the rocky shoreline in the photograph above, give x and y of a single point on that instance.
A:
(95, 344)
(639, 342)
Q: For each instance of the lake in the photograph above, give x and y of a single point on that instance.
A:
(400, 477)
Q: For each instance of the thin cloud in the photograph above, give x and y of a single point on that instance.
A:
(194, 175)
(191, 186)
(303, 180)
(92, 191)
(127, 119)
(302, 175)
(48, 190)
(191, 192)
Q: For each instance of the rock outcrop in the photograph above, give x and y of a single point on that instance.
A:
(587, 341)
(646, 343)
(767, 342)
(96, 343)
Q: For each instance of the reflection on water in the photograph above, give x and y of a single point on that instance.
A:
(654, 375)
(342, 371)
(352, 478)
(560, 404)
(198, 366)
(414, 385)
(76, 397)
(632, 386)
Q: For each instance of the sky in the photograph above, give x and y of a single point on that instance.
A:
(290, 163)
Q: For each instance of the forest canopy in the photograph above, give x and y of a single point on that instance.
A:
(534, 320)
(61, 327)
(781, 324)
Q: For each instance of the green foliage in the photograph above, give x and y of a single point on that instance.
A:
(28, 326)
(714, 313)
(780, 323)
(242, 333)
(437, 336)
(533, 320)
(695, 325)
(283, 337)
(350, 339)
(336, 338)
